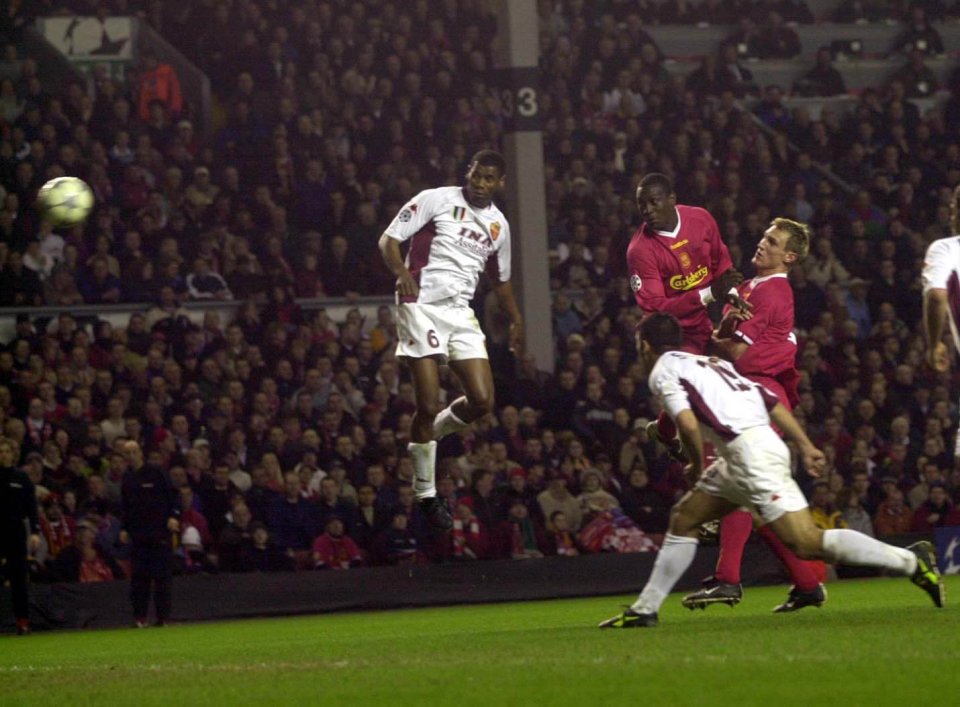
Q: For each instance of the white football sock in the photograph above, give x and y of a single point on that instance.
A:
(848, 547)
(672, 561)
(446, 422)
(424, 455)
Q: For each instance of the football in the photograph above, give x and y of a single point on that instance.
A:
(66, 201)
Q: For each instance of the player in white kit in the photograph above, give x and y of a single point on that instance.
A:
(941, 291)
(708, 399)
(941, 295)
(455, 233)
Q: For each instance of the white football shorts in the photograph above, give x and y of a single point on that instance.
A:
(753, 471)
(446, 330)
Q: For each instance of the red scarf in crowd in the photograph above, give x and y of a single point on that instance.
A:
(460, 532)
(58, 535)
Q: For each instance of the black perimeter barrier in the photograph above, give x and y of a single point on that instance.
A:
(217, 597)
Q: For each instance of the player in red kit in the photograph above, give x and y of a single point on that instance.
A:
(762, 346)
(677, 262)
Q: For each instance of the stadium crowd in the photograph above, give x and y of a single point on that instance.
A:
(284, 432)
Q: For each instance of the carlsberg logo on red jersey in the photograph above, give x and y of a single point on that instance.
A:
(687, 282)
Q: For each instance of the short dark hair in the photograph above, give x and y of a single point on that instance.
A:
(489, 158)
(656, 179)
(662, 331)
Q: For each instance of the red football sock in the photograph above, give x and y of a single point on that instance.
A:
(665, 427)
(734, 532)
(806, 574)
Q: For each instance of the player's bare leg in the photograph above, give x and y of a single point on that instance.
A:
(849, 547)
(678, 551)
(423, 446)
(476, 377)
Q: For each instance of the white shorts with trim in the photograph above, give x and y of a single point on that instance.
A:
(445, 330)
(753, 471)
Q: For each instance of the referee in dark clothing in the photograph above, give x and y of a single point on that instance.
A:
(18, 508)
(150, 514)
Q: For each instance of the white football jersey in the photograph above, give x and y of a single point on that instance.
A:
(724, 402)
(941, 271)
(451, 243)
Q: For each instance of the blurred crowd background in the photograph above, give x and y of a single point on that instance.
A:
(285, 431)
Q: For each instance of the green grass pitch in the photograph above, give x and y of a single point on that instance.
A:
(878, 642)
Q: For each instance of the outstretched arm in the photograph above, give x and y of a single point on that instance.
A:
(730, 349)
(508, 303)
(813, 459)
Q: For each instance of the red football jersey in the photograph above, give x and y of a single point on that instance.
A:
(772, 351)
(668, 271)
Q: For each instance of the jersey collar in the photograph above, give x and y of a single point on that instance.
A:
(757, 280)
(676, 229)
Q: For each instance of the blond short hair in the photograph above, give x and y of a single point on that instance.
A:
(798, 236)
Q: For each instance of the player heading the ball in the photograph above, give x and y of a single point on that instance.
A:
(455, 233)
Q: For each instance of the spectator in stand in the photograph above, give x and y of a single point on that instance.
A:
(747, 40)
(776, 40)
(918, 79)
(556, 497)
(19, 285)
(644, 504)
(98, 285)
(520, 537)
(918, 35)
(335, 550)
(853, 514)
(930, 475)
(823, 79)
(205, 284)
(341, 271)
(83, 562)
(191, 517)
(293, 521)
(936, 512)
(469, 538)
(823, 508)
(159, 85)
(560, 539)
(368, 521)
(593, 497)
(397, 545)
(233, 537)
(58, 528)
(893, 516)
(330, 505)
(260, 554)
